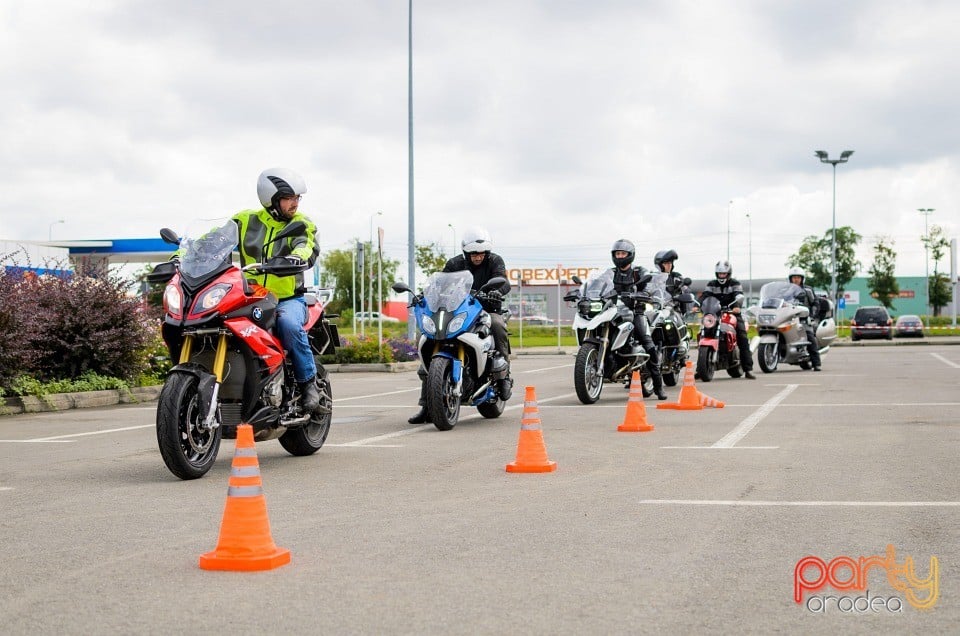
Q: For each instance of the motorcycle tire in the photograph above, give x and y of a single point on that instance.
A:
(187, 451)
(586, 374)
(491, 410)
(704, 367)
(442, 403)
(768, 356)
(670, 379)
(308, 439)
(646, 385)
(806, 365)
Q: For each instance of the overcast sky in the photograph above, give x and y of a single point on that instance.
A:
(560, 125)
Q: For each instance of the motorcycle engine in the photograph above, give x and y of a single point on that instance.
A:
(273, 391)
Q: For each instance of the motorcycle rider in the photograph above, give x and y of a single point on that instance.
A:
(626, 279)
(664, 261)
(479, 260)
(797, 276)
(725, 288)
(279, 191)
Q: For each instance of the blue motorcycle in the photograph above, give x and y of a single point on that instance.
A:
(456, 347)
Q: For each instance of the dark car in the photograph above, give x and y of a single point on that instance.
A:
(871, 322)
(908, 325)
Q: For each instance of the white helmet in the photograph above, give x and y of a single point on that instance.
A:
(796, 271)
(275, 183)
(475, 239)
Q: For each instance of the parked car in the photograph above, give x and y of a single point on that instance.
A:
(374, 316)
(871, 322)
(908, 325)
(537, 320)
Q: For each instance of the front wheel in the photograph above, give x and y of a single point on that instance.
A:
(442, 401)
(768, 355)
(587, 379)
(308, 439)
(704, 367)
(491, 410)
(187, 450)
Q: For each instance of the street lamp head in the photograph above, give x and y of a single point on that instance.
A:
(845, 155)
(822, 154)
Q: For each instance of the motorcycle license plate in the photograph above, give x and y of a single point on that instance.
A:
(871, 324)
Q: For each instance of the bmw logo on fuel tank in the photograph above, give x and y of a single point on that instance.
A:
(257, 314)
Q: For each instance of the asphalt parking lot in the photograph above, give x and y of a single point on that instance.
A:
(399, 528)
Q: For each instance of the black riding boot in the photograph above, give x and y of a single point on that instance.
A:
(653, 365)
(422, 415)
(310, 397)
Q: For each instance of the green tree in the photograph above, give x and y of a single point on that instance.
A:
(430, 258)
(937, 243)
(338, 266)
(883, 282)
(815, 256)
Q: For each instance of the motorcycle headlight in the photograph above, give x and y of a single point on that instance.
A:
(765, 319)
(428, 325)
(211, 298)
(172, 299)
(457, 323)
(596, 307)
(709, 320)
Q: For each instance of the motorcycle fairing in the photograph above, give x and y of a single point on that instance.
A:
(258, 339)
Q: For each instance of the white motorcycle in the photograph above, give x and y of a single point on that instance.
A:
(781, 324)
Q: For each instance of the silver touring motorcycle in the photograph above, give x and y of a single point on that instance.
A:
(781, 318)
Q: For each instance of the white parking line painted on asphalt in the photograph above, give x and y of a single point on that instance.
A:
(110, 430)
(36, 441)
(467, 418)
(723, 447)
(945, 361)
(562, 366)
(5, 488)
(373, 395)
(733, 502)
(747, 425)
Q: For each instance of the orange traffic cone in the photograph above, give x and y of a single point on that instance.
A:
(636, 418)
(689, 396)
(245, 543)
(531, 451)
(706, 400)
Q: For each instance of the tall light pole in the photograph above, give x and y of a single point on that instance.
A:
(370, 277)
(750, 253)
(454, 253)
(411, 234)
(824, 158)
(728, 230)
(926, 212)
(50, 232)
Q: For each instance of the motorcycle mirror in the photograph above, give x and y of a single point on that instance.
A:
(687, 281)
(576, 279)
(494, 282)
(169, 236)
(686, 297)
(401, 287)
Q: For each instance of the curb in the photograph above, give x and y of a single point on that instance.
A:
(83, 399)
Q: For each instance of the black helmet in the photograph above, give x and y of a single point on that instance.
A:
(623, 245)
(274, 184)
(723, 267)
(663, 256)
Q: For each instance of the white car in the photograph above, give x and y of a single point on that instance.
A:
(374, 316)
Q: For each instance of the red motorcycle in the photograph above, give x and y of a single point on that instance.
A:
(231, 368)
(717, 341)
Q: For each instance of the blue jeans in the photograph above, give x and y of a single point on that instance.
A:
(291, 314)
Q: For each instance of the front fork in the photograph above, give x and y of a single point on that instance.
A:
(208, 405)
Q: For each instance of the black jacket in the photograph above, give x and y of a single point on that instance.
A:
(491, 267)
(627, 280)
(725, 292)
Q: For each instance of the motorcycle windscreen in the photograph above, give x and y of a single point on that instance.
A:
(447, 290)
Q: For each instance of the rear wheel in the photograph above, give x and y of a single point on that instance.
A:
(704, 365)
(670, 379)
(187, 450)
(768, 356)
(308, 439)
(806, 365)
(587, 379)
(491, 410)
(442, 401)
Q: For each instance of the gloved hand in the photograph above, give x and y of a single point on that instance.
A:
(494, 295)
(295, 261)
